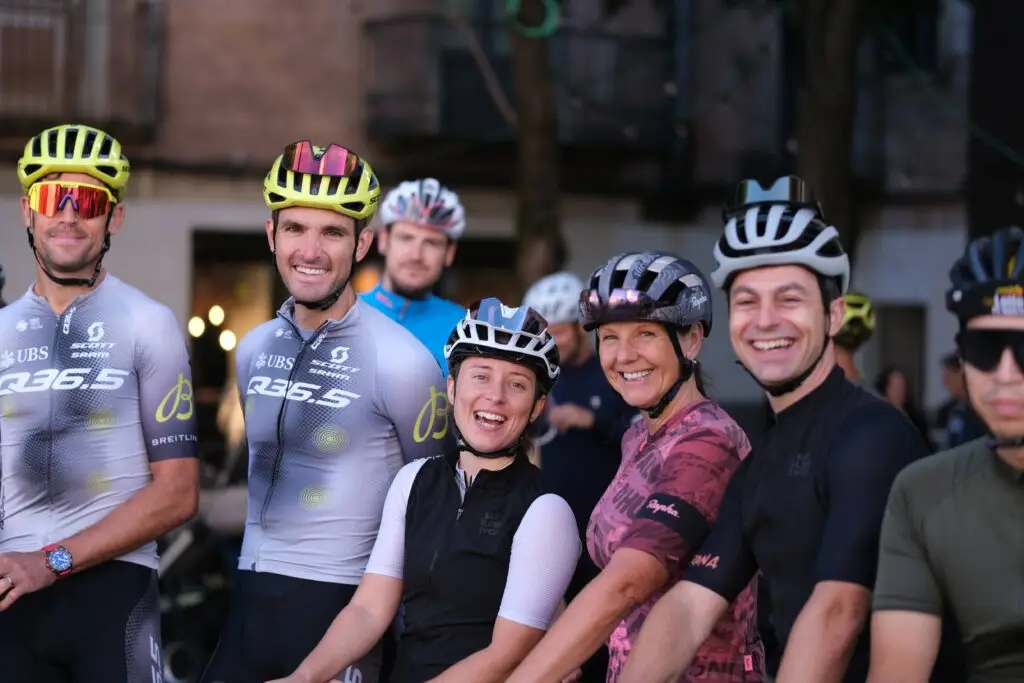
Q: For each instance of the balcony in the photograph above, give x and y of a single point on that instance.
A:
(615, 94)
(87, 61)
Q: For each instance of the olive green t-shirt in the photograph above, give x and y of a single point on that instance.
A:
(953, 540)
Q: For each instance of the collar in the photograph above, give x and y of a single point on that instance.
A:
(101, 285)
(331, 328)
(486, 478)
(399, 303)
(812, 401)
(1006, 471)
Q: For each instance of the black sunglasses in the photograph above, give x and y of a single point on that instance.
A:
(983, 348)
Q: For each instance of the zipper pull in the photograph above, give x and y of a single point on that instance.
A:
(458, 514)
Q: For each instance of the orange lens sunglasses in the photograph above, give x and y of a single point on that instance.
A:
(89, 201)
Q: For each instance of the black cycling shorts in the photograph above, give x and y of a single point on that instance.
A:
(97, 626)
(274, 622)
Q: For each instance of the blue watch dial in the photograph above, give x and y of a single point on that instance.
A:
(59, 559)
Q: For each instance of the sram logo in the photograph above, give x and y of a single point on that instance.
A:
(304, 392)
(106, 379)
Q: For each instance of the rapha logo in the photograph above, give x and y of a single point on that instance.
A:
(655, 508)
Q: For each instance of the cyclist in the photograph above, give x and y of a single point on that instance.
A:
(952, 538)
(652, 312)
(337, 397)
(583, 424)
(470, 543)
(806, 507)
(423, 221)
(97, 458)
(857, 326)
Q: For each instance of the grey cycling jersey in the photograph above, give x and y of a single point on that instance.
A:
(331, 416)
(87, 400)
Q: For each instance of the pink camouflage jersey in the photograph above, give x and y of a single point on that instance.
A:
(666, 494)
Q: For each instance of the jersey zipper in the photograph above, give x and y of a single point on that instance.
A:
(443, 544)
(279, 456)
(49, 448)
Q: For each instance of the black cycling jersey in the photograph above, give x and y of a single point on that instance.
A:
(94, 626)
(807, 505)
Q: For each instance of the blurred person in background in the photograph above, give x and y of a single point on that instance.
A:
(472, 545)
(99, 433)
(3, 281)
(422, 223)
(652, 312)
(333, 393)
(956, 421)
(952, 547)
(857, 327)
(893, 385)
(583, 424)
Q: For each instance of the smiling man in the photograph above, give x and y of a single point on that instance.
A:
(99, 434)
(953, 537)
(337, 398)
(423, 221)
(806, 507)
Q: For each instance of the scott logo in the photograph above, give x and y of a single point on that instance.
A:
(177, 403)
(95, 332)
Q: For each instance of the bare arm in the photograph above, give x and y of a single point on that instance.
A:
(904, 646)
(164, 504)
(510, 643)
(629, 580)
(672, 633)
(825, 633)
(355, 630)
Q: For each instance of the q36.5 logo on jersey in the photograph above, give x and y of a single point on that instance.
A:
(105, 379)
(303, 392)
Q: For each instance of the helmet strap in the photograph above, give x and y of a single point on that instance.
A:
(329, 300)
(777, 389)
(686, 370)
(74, 281)
(512, 450)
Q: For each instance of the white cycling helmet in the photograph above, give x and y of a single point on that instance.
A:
(781, 226)
(428, 203)
(494, 330)
(556, 297)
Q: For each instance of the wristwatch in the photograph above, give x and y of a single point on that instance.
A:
(58, 559)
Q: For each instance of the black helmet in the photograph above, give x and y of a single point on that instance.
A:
(989, 278)
(648, 285)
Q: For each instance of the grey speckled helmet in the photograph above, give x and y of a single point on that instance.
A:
(647, 285)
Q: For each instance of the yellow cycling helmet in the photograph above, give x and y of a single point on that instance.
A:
(858, 321)
(329, 177)
(74, 148)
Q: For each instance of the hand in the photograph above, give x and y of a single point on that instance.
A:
(21, 574)
(573, 677)
(294, 678)
(565, 416)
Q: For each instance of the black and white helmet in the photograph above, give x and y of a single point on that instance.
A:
(425, 202)
(780, 226)
(519, 335)
(647, 285)
(556, 297)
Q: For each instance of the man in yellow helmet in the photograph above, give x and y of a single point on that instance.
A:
(857, 328)
(337, 398)
(99, 433)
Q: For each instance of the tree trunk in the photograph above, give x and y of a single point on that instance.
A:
(831, 31)
(541, 245)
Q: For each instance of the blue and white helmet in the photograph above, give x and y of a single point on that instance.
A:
(556, 297)
(519, 335)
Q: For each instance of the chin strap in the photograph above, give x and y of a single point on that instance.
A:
(513, 449)
(329, 300)
(73, 281)
(995, 442)
(686, 369)
(790, 385)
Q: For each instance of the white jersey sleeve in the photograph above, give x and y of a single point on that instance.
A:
(388, 556)
(545, 551)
